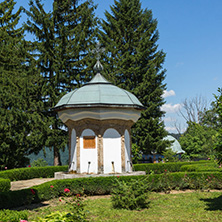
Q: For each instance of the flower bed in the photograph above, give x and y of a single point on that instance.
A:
(104, 185)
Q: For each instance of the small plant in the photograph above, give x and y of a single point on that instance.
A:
(164, 182)
(39, 163)
(76, 208)
(132, 195)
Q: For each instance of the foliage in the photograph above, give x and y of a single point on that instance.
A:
(134, 63)
(218, 145)
(192, 206)
(104, 185)
(31, 172)
(61, 50)
(198, 141)
(22, 121)
(13, 216)
(131, 195)
(158, 168)
(76, 211)
(39, 163)
(4, 185)
(136, 153)
(170, 156)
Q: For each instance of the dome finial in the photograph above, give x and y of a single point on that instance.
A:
(97, 51)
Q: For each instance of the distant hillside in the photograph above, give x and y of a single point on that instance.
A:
(49, 156)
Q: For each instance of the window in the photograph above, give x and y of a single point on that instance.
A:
(89, 142)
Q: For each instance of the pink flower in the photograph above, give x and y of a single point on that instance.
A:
(6, 168)
(23, 221)
(29, 166)
(220, 166)
(66, 190)
(51, 186)
(33, 192)
(78, 204)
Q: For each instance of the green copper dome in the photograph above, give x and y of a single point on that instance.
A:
(99, 93)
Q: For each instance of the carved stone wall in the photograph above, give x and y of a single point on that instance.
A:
(99, 127)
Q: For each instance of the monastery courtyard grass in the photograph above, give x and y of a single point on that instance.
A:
(195, 206)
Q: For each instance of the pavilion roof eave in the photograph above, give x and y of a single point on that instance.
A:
(98, 105)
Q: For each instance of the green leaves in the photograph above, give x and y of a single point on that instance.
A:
(134, 63)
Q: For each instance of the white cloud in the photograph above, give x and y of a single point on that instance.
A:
(168, 93)
(171, 108)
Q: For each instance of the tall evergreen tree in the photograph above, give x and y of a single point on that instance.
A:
(133, 62)
(63, 39)
(20, 124)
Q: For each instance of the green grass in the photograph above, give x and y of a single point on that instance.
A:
(197, 206)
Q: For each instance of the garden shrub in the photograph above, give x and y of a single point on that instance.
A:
(188, 168)
(5, 185)
(31, 172)
(39, 163)
(130, 195)
(104, 185)
(159, 168)
(13, 216)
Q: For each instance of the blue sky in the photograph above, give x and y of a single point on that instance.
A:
(191, 35)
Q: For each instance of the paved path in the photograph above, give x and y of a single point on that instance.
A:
(22, 184)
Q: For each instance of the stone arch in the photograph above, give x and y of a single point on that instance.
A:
(88, 152)
(127, 145)
(112, 151)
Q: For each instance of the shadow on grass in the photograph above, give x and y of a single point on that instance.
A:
(213, 203)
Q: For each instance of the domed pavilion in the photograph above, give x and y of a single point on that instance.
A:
(99, 116)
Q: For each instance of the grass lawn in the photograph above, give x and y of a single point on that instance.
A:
(195, 206)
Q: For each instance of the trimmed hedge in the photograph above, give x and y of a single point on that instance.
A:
(159, 168)
(31, 172)
(5, 185)
(104, 185)
(210, 167)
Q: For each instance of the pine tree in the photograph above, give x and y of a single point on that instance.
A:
(21, 125)
(63, 39)
(133, 62)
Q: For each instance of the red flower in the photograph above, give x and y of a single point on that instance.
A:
(66, 190)
(60, 200)
(165, 170)
(29, 165)
(78, 204)
(33, 192)
(51, 186)
(117, 176)
(78, 195)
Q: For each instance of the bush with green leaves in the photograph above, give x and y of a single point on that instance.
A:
(76, 210)
(39, 163)
(170, 167)
(131, 195)
(13, 216)
(31, 172)
(5, 185)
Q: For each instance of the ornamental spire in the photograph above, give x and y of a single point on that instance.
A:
(98, 51)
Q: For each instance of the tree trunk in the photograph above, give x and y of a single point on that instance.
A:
(57, 160)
